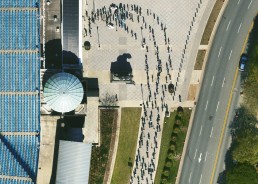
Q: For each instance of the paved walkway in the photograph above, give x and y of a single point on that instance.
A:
(18, 133)
(91, 123)
(148, 147)
(160, 40)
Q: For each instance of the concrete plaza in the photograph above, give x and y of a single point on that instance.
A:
(165, 34)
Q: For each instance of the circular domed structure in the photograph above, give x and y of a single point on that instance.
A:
(63, 92)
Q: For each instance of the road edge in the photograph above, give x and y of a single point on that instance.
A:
(200, 84)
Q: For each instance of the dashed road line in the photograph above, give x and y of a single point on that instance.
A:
(217, 106)
(212, 80)
(219, 51)
(200, 179)
(206, 105)
(195, 153)
(223, 83)
(250, 4)
(206, 156)
(239, 27)
(230, 55)
(211, 131)
(190, 177)
(200, 131)
(228, 25)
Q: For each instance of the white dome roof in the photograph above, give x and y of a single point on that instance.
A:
(63, 92)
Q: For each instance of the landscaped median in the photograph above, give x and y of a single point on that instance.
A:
(129, 127)
(100, 154)
(172, 143)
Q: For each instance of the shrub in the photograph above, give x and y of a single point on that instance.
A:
(172, 147)
(168, 164)
(170, 151)
(178, 117)
(176, 130)
(164, 180)
(172, 143)
(166, 172)
(174, 134)
(175, 126)
(170, 156)
(180, 114)
(174, 138)
(178, 122)
(180, 109)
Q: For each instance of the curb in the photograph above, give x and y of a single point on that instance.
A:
(200, 84)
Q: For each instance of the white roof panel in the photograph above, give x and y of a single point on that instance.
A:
(73, 162)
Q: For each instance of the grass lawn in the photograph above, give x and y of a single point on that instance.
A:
(199, 59)
(129, 127)
(211, 22)
(100, 154)
(165, 143)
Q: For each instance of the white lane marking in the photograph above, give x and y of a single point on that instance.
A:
(230, 55)
(195, 153)
(238, 1)
(239, 27)
(200, 179)
(200, 131)
(190, 177)
(223, 83)
(211, 131)
(228, 25)
(217, 106)
(212, 80)
(250, 4)
(219, 51)
(200, 158)
(206, 104)
(206, 156)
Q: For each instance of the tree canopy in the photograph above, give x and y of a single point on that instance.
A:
(242, 174)
(246, 148)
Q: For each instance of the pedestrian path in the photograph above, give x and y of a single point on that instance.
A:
(91, 129)
(147, 153)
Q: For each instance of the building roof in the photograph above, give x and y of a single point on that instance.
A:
(71, 26)
(73, 162)
(63, 92)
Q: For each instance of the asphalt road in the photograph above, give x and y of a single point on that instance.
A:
(215, 91)
(227, 139)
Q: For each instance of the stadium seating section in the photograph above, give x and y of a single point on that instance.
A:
(19, 91)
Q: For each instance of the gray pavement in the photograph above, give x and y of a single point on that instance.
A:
(147, 153)
(221, 164)
(181, 19)
(217, 83)
(108, 44)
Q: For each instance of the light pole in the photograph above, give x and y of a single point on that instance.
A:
(98, 35)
